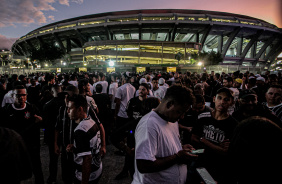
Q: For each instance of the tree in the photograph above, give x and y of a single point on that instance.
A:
(45, 53)
(209, 58)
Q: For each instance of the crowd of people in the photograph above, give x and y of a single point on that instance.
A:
(167, 125)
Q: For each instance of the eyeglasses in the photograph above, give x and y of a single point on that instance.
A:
(20, 95)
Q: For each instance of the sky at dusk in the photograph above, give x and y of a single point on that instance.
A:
(18, 17)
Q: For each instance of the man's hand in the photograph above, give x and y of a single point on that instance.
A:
(57, 149)
(185, 156)
(37, 118)
(225, 144)
(69, 148)
(187, 147)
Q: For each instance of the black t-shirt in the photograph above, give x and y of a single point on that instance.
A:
(50, 113)
(33, 93)
(134, 107)
(215, 131)
(190, 120)
(23, 122)
(104, 104)
(65, 127)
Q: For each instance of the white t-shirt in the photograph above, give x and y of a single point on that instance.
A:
(8, 98)
(156, 137)
(159, 93)
(236, 92)
(91, 88)
(104, 85)
(90, 101)
(87, 143)
(164, 88)
(112, 91)
(74, 83)
(124, 93)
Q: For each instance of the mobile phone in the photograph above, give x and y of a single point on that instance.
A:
(205, 175)
(198, 151)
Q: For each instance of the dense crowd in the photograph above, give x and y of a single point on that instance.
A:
(169, 126)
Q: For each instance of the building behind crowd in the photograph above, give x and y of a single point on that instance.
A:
(160, 40)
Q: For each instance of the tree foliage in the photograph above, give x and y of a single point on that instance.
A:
(209, 58)
(45, 53)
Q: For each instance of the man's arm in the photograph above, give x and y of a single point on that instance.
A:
(103, 140)
(148, 166)
(86, 169)
(204, 143)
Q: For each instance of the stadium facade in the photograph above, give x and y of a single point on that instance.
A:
(154, 38)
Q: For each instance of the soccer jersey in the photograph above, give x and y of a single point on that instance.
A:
(22, 120)
(87, 142)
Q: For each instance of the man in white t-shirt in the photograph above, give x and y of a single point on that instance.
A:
(102, 82)
(162, 84)
(157, 91)
(73, 80)
(123, 95)
(159, 156)
(112, 90)
(87, 142)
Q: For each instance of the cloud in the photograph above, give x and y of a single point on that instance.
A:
(6, 43)
(51, 17)
(14, 12)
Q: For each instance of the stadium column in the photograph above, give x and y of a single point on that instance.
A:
(219, 43)
(263, 48)
(205, 35)
(250, 44)
(60, 42)
(274, 53)
(229, 41)
(82, 39)
(239, 46)
(68, 45)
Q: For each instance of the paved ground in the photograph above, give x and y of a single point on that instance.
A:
(112, 165)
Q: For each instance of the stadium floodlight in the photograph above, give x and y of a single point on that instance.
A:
(111, 63)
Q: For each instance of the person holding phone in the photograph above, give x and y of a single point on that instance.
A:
(212, 132)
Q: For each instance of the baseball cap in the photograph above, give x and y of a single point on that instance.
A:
(247, 92)
(161, 81)
(239, 80)
(261, 79)
(257, 75)
(142, 80)
(225, 90)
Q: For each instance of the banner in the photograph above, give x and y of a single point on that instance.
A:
(140, 69)
(111, 69)
(171, 69)
(82, 69)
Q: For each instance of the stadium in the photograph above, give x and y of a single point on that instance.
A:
(160, 39)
